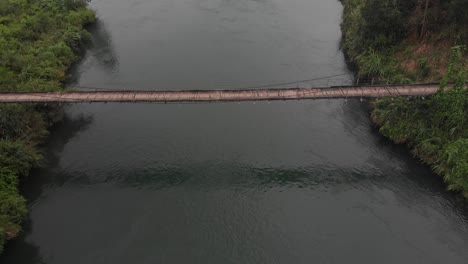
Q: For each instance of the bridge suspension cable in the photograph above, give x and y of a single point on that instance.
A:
(232, 88)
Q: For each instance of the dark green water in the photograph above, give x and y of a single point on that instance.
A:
(279, 182)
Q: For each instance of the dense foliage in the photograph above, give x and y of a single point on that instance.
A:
(396, 41)
(403, 40)
(436, 127)
(39, 40)
(12, 205)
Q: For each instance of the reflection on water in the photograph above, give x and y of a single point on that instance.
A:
(62, 133)
(100, 56)
(102, 49)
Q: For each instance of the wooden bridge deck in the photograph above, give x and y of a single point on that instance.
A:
(223, 95)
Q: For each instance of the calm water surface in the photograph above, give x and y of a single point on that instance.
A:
(279, 182)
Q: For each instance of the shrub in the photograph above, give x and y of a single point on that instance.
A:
(12, 206)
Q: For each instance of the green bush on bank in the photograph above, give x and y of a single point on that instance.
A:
(12, 206)
(39, 41)
(436, 128)
(371, 31)
(18, 156)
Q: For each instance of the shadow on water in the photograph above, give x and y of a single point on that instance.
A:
(102, 49)
(101, 53)
(225, 176)
(61, 134)
(358, 112)
(212, 176)
(19, 249)
(235, 176)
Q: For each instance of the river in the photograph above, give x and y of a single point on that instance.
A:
(266, 182)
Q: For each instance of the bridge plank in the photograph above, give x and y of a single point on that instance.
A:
(223, 95)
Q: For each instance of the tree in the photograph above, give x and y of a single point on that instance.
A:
(424, 19)
(384, 25)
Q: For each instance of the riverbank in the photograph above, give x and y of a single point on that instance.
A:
(39, 41)
(406, 42)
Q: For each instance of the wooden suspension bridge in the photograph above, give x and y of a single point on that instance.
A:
(370, 91)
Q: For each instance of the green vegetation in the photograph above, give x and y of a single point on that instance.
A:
(39, 41)
(414, 41)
